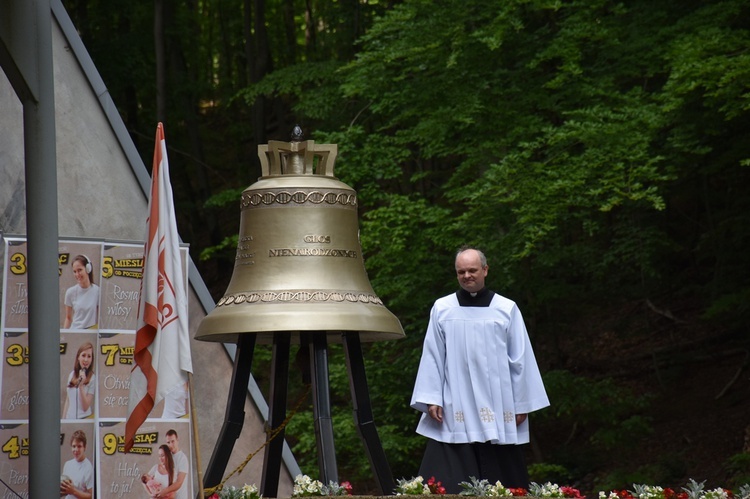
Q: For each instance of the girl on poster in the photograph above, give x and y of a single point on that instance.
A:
(82, 299)
(161, 475)
(81, 385)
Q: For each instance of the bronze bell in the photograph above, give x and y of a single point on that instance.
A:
(299, 265)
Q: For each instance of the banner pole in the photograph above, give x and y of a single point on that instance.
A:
(196, 440)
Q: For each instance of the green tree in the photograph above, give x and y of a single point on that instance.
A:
(596, 150)
(571, 140)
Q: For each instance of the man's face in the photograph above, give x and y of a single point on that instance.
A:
(469, 271)
(79, 450)
(173, 444)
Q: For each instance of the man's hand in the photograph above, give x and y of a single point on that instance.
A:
(435, 412)
(520, 418)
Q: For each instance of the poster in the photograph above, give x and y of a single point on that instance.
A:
(80, 284)
(115, 360)
(122, 266)
(78, 454)
(121, 475)
(15, 289)
(79, 375)
(15, 376)
(99, 287)
(14, 465)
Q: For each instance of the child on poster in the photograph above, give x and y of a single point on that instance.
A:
(77, 480)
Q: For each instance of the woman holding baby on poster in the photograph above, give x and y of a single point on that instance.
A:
(161, 475)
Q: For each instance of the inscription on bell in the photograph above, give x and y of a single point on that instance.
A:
(312, 238)
(276, 252)
(244, 255)
(247, 258)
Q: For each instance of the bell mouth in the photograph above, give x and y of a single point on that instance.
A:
(226, 323)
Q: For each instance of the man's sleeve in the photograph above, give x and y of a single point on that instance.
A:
(528, 389)
(428, 388)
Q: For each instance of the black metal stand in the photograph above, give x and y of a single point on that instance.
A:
(362, 410)
(322, 408)
(234, 417)
(316, 342)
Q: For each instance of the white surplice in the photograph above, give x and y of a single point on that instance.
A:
(478, 365)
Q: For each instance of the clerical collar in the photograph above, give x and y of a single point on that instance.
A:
(482, 298)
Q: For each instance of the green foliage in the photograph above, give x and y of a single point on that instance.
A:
(311, 84)
(549, 473)
(611, 415)
(738, 467)
(596, 150)
(569, 140)
(228, 246)
(223, 198)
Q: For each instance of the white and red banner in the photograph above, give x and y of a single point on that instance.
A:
(162, 344)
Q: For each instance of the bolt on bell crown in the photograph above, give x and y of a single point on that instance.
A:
(299, 265)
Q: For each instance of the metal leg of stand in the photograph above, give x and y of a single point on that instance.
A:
(269, 486)
(234, 416)
(363, 413)
(322, 409)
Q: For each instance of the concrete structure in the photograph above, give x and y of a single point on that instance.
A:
(101, 193)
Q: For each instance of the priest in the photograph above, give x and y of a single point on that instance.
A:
(477, 382)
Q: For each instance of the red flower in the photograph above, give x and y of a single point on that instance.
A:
(435, 486)
(347, 487)
(519, 491)
(571, 492)
(214, 496)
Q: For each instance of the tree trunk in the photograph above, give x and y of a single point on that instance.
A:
(309, 30)
(260, 67)
(161, 63)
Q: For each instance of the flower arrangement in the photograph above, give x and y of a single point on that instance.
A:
(694, 490)
(417, 486)
(552, 490)
(476, 487)
(304, 486)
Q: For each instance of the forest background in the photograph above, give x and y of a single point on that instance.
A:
(597, 150)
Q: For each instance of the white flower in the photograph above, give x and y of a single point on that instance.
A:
(647, 492)
(250, 492)
(306, 486)
(718, 493)
(499, 490)
(546, 490)
(415, 486)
